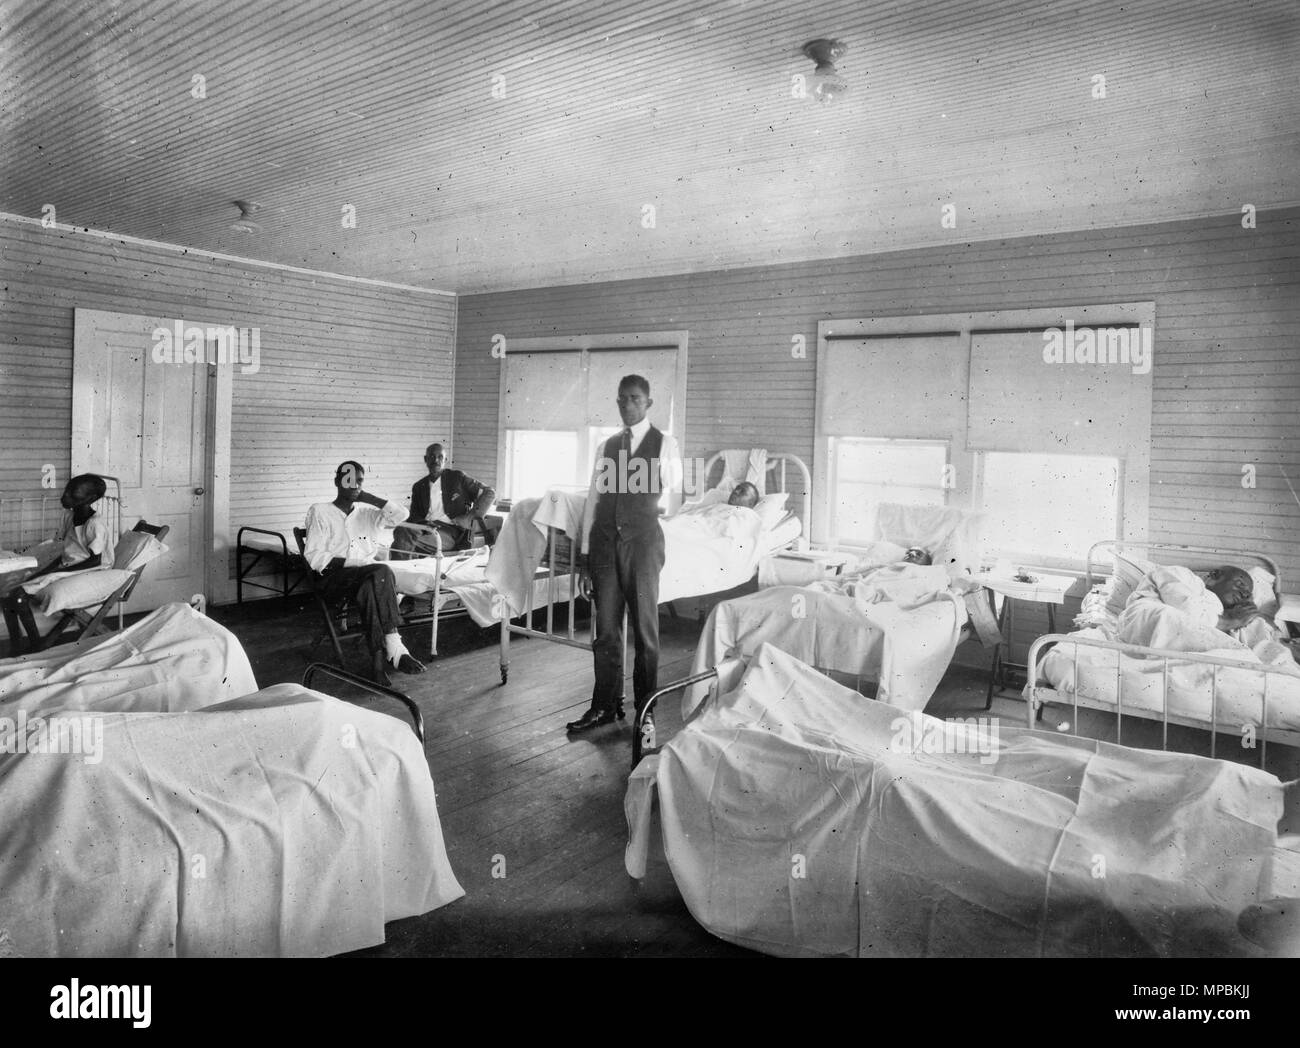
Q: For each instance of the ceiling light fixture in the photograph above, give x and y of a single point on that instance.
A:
(827, 82)
(245, 223)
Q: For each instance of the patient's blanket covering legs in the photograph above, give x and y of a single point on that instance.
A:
(798, 820)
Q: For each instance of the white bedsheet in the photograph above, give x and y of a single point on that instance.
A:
(283, 823)
(795, 824)
(173, 659)
(905, 646)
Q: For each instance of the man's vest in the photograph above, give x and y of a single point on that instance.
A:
(627, 501)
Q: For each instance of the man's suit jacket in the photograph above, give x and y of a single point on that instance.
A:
(459, 493)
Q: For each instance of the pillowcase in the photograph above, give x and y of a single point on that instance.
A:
(771, 508)
(135, 548)
(1128, 571)
(80, 589)
(1264, 597)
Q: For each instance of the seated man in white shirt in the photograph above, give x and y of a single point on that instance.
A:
(342, 542)
(82, 542)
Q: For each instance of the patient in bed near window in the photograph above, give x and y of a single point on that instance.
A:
(1176, 608)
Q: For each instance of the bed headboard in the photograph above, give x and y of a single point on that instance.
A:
(778, 463)
(28, 519)
(1226, 557)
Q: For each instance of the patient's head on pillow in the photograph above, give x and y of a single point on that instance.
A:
(744, 494)
(1231, 585)
(917, 555)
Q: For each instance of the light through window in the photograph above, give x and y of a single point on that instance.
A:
(866, 473)
(1048, 508)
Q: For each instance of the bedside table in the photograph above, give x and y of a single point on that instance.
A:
(800, 567)
(1048, 590)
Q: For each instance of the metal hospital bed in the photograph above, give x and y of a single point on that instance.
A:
(557, 567)
(1038, 694)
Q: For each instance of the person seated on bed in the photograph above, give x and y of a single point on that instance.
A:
(343, 540)
(81, 543)
(448, 501)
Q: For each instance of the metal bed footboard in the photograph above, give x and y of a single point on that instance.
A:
(1037, 696)
(417, 719)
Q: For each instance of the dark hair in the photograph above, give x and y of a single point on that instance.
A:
(641, 383)
(356, 466)
(746, 491)
(429, 450)
(89, 480)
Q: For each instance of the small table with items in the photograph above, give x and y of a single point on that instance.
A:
(1035, 588)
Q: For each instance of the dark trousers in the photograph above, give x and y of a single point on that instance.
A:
(17, 607)
(372, 589)
(625, 575)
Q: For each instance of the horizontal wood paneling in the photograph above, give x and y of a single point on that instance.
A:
(1226, 372)
(348, 370)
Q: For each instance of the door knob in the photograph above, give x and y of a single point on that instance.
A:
(198, 491)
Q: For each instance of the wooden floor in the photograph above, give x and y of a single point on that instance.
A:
(542, 811)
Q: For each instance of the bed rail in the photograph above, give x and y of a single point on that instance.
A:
(369, 686)
(1036, 696)
(1166, 547)
(28, 519)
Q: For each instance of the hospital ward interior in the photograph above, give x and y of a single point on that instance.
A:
(649, 479)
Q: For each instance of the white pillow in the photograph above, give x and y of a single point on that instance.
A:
(771, 508)
(80, 589)
(876, 555)
(1129, 570)
(1264, 597)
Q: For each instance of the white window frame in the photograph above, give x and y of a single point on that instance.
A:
(585, 345)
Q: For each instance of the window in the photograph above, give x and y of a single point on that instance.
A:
(539, 459)
(1048, 509)
(866, 472)
(558, 402)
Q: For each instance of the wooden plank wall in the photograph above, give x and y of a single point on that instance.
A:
(1226, 368)
(348, 369)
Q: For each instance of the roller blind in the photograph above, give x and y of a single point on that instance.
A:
(1023, 399)
(902, 387)
(607, 367)
(543, 390)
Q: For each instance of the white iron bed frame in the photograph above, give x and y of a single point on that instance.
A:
(1037, 696)
(776, 461)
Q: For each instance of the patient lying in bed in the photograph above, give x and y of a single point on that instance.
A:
(1174, 608)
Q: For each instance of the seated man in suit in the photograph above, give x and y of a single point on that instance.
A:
(448, 501)
(343, 538)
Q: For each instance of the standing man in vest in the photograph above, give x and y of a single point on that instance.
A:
(622, 551)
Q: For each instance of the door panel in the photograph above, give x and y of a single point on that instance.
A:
(144, 422)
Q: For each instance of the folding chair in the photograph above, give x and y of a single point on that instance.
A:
(328, 613)
(92, 617)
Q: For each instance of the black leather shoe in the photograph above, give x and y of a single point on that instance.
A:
(408, 664)
(593, 718)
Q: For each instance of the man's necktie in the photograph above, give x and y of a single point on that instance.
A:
(627, 441)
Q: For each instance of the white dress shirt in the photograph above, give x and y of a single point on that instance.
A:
(81, 541)
(355, 536)
(670, 476)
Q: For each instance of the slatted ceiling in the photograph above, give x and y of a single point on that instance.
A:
(309, 407)
(687, 104)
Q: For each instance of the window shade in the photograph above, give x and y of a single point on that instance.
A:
(1020, 402)
(543, 390)
(903, 387)
(607, 367)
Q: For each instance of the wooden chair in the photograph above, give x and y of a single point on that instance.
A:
(329, 613)
(92, 617)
